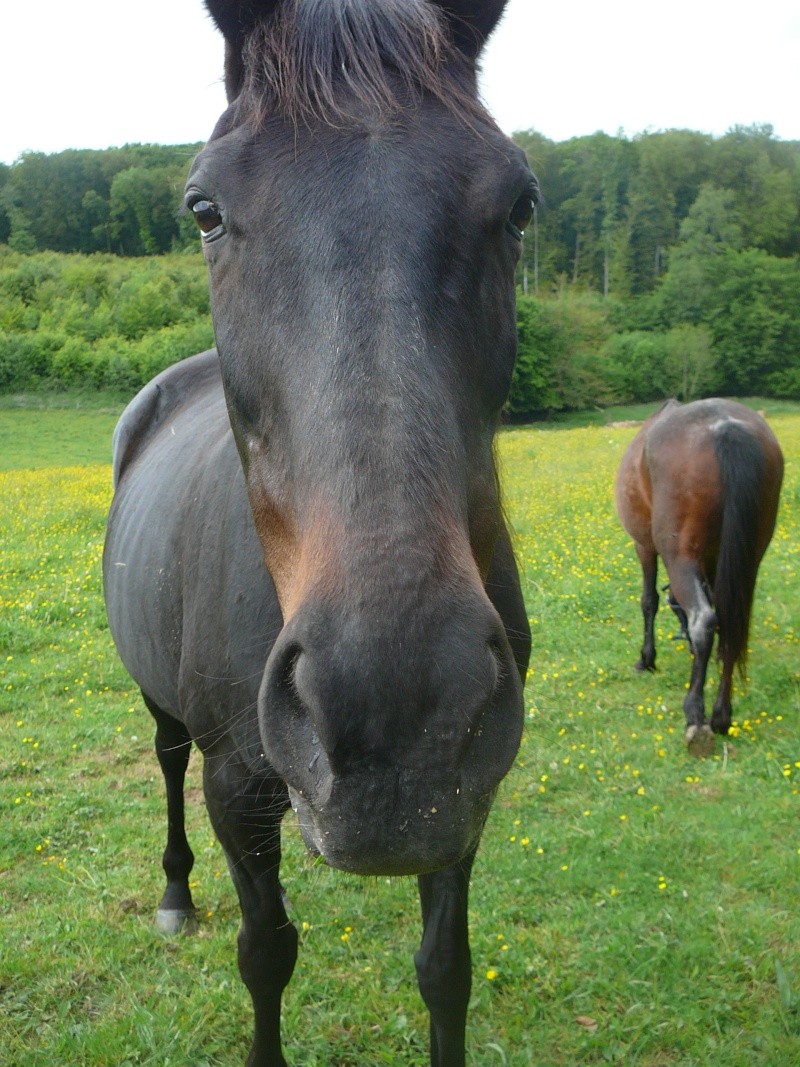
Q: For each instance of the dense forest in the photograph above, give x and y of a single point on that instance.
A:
(662, 264)
(121, 200)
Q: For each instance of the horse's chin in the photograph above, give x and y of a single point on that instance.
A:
(387, 846)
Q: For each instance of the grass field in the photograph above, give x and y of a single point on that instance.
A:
(629, 905)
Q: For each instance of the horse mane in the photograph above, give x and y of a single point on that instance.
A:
(333, 60)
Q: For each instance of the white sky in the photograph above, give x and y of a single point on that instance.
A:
(97, 73)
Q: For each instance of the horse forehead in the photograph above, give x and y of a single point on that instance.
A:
(416, 157)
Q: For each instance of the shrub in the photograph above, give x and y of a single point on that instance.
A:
(26, 359)
(636, 366)
(98, 321)
(145, 304)
(538, 340)
(73, 364)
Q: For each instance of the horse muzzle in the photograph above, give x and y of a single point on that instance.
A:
(392, 761)
(381, 826)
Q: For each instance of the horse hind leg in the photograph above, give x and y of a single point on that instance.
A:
(176, 912)
(688, 589)
(723, 712)
(649, 603)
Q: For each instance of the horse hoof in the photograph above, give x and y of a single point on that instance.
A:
(176, 921)
(699, 740)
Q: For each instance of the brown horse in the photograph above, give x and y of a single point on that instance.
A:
(699, 486)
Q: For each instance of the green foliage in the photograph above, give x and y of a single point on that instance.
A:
(755, 320)
(143, 210)
(124, 200)
(691, 362)
(26, 359)
(666, 264)
(637, 365)
(532, 387)
(559, 365)
(614, 207)
(696, 239)
(98, 321)
(5, 222)
(655, 365)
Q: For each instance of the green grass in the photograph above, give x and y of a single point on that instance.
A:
(62, 429)
(618, 881)
(625, 413)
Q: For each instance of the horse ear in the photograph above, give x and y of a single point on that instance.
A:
(472, 21)
(234, 19)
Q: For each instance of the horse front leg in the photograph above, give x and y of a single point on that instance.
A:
(246, 813)
(649, 603)
(444, 962)
(176, 912)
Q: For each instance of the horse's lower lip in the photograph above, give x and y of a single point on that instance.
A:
(393, 851)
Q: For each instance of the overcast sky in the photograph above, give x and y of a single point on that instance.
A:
(95, 73)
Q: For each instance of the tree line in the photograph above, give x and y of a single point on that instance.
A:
(120, 200)
(666, 264)
(615, 207)
(662, 264)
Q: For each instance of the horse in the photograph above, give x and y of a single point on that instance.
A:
(307, 570)
(699, 486)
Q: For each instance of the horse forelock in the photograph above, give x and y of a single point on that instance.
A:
(330, 60)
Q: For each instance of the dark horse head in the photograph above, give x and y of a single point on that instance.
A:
(361, 217)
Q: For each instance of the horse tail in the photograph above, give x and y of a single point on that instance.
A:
(742, 463)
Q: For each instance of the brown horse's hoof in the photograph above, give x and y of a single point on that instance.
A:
(699, 740)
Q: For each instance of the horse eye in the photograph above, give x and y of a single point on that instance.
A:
(208, 218)
(521, 215)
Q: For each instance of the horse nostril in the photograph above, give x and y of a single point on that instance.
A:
(292, 683)
(287, 676)
(496, 664)
(492, 683)
(290, 723)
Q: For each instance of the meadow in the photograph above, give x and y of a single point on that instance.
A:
(630, 905)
